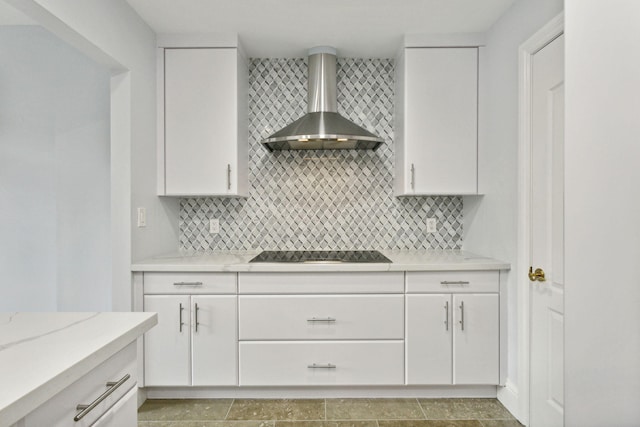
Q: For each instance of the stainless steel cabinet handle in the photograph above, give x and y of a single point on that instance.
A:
(196, 315)
(228, 176)
(317, 366)
(446, 315)
(85, 409)
(413, 177)
(321, 319)
(187, 284)
(462, 315)
(181, 322)
(459, 282)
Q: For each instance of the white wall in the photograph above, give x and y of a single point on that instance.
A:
(490, 222)
(54, 175)
(111, 32)
(602, 231)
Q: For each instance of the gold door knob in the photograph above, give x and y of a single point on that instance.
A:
(537, 275)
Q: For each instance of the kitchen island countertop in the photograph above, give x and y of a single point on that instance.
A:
(43, 353)
(402, 260)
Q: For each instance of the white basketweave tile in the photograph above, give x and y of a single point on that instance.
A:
(305, 200)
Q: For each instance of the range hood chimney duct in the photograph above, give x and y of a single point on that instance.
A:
(322, 128)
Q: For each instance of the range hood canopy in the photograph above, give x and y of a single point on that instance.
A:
(322, 128)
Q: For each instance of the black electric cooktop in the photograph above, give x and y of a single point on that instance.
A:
(320, 256)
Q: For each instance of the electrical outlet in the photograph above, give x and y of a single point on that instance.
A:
(214, 226)
(142, 217)
(432, 225)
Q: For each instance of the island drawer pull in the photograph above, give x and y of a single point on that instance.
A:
(317, 366)
(85, 409)
(321, 319)
(456, 282)
(187, 284)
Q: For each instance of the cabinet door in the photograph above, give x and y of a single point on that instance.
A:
(428, 340)
(200, 90)
(166, 346)
(214, 340)
(441, 114)
(476, 345)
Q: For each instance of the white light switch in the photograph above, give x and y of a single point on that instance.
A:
(432, 225)
(214, 226)
(142, 217)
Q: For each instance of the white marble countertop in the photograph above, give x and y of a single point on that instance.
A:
(43, 353)
(238, 261)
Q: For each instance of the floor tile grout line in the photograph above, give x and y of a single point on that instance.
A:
(421, 408)
(229, 410)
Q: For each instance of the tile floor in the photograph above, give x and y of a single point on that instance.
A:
(325, 413)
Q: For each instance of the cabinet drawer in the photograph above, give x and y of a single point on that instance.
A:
(336, 363)
(309, 317)
(190, 283)
(321, 283)
(453, 281)
(60, 410)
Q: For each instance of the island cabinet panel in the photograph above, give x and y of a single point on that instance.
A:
(315, 317)
(282, 363)
(120, 371)
(123, 413)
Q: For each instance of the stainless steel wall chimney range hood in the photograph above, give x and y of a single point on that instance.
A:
(322, 128)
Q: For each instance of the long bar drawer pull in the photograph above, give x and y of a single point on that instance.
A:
(317, 366)
(187, 284)
(458, 282)
(322, 319)
(446, 315)
(85, 409)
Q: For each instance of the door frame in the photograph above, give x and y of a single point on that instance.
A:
(530, 47)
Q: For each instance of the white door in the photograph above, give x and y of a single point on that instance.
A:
(166, 346)
(428, 342)
(476, 339)
(214, 341)
(547, 236)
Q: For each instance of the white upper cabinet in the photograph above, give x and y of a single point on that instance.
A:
(203, 130)
(436, 121)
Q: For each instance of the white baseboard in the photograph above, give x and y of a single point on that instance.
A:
(508, 396)
(318, 392)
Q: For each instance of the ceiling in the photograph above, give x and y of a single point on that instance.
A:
(11, 16)
(287, 28)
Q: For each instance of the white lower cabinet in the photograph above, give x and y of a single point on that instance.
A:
(323, 329)
(108, 392)
(283, 363)
(123, 414)
(452, 339)
(194, 342)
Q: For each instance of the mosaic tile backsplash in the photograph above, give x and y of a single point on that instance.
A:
(306, 200)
